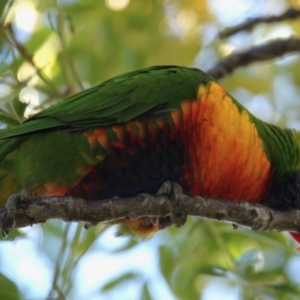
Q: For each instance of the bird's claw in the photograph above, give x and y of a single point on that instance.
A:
(173, 191)
(13, 204)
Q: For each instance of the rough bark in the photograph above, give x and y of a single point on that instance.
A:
(254, 216)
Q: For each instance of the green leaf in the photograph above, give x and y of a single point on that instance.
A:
(15, 233)
(3, 4)
(5, 118)
(145, 295)
(167, 262)
(38, 39)
(8, 289)
(12, 110)
(18, 109)
(123, 278)
(212, 271)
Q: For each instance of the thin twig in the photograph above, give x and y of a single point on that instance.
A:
(6, 10)
(290, 14)
(29, 58)
(56, 287)
(259, 53)
(67, 59)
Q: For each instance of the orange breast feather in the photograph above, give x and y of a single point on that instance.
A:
(227, 158)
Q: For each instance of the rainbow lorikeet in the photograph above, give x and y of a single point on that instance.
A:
(136, 131)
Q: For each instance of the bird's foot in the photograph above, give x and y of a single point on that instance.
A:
(174, 192)
(14, 203)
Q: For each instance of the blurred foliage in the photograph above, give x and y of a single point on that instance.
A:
(51, 49)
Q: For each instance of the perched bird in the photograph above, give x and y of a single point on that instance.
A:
(136, 131)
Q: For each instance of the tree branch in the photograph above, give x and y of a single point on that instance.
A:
(291, 13)
(254, 216)
(259, 53)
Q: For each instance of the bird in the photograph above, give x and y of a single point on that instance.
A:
(132, 133)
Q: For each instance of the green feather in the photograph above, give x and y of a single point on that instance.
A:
(147, 94)
(126, 97)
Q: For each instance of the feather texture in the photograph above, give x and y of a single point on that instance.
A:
(132, 133)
